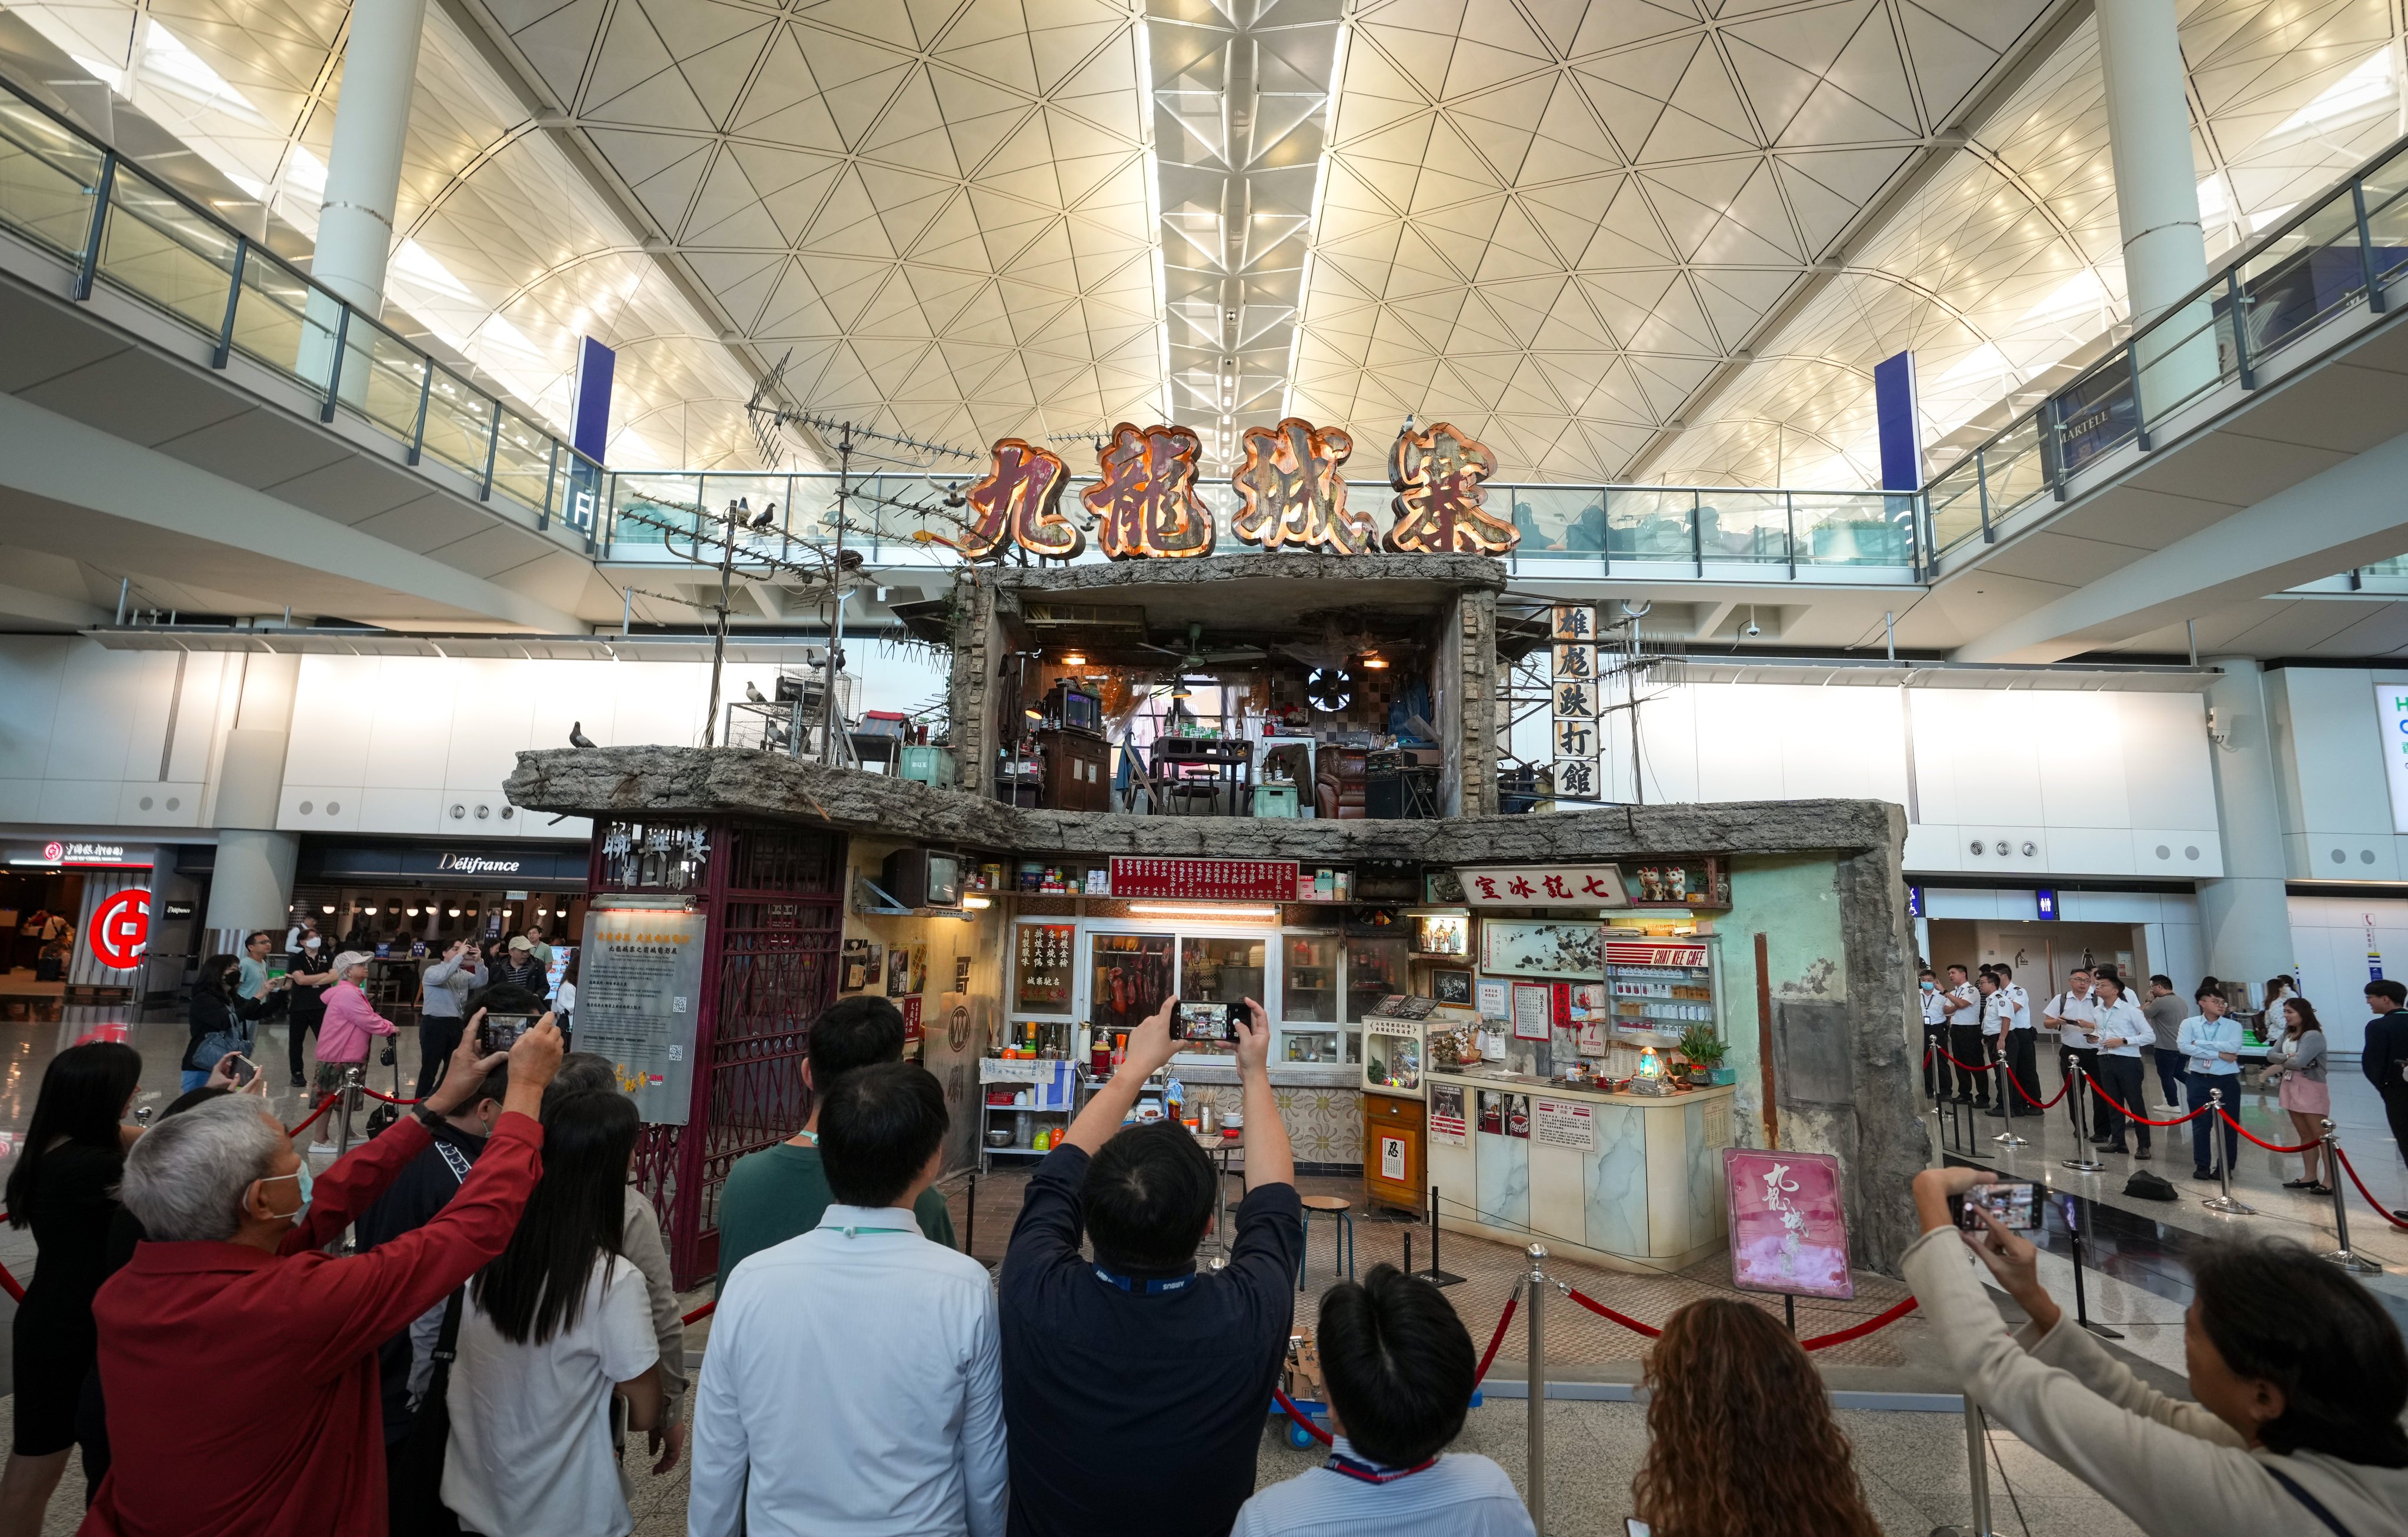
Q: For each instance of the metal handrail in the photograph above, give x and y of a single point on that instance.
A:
(343, 326)
(2112, 395)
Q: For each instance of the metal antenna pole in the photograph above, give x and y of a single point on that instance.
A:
(719, 636)
(835, 593)
(2343, 1257)
(2225, 1202)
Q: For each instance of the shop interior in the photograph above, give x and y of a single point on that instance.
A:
(403, 927)
(24, 892)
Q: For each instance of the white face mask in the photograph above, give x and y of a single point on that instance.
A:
(302, 1174)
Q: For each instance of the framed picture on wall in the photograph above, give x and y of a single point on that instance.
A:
(1543, 947)
(860, 965)
(898, 971)
(1448, 986)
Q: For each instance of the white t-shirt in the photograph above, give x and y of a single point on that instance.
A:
(2125, 1022)
(530, 1450)
(2079, 1013)
(1933, 1013)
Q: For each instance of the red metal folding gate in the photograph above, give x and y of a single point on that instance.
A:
(774, 900)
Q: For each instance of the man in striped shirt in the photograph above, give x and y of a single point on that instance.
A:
(1400, 1369)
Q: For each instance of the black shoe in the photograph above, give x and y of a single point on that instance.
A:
(2298, 1185)
(1963, 1100)
(2209, 1175)
(2113, 1148)
(299, 1081)
(1995, 1115)
(2141, 1156)
(2099, 1142)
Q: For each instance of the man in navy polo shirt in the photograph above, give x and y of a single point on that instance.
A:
(1135, 1388)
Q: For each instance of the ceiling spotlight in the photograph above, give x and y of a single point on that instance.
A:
(369, 910)
(453, 911)
(411, 911)
(1375, 661)
(328, 906)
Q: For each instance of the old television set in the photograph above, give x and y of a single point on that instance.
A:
(923, 878)
(1075, 707)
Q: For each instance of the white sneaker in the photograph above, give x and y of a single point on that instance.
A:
(322, 1150)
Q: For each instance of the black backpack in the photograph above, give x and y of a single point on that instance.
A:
(2144, 1186)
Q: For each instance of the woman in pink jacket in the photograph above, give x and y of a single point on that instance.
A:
(351, 1021)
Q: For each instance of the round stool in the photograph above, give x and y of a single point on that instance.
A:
(1341, 1208)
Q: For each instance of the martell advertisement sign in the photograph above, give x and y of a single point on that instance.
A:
(640, 985)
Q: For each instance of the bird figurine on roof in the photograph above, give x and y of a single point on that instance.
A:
(577, 736)
(762, 519)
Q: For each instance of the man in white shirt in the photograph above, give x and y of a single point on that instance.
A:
(2071, 1013)
(2123, 1029)
(853, 1383)
(1994, 1025)
(2018, 1051)
(1935, 1035)
(1400, 1369)
(2210, 1039)
(1964, 1008)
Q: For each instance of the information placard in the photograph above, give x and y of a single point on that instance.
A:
(640, 985)
(1565, 1123)
(1447, 1121)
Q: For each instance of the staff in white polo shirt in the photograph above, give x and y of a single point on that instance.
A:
(1935, 1034)
(1964, 1007)
(2123, 1031)
(2073, 1014)
(2018, 1049)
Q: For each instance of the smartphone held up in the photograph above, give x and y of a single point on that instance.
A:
(2015, 1205)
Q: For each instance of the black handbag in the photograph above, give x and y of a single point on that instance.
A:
(415, 1463)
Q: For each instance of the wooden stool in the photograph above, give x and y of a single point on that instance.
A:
(1341, 1208)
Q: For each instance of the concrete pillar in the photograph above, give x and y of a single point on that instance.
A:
(252, 887)
(2156, 195)
(2245, 917)
(363, 167)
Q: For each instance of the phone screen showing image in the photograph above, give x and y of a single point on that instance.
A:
(1204, 1022)
(2015, 1206)
(502, 1031)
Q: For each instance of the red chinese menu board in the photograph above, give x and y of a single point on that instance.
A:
(1222, 880)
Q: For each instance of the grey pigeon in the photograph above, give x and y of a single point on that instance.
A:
(577, 736)
(755, 694)
(763, 518)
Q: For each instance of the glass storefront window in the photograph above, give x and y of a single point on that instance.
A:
(1375, 967)
(1042, 967)
(1129, 977)
(1309, 979)
(1309, 1046)
(1217, 969)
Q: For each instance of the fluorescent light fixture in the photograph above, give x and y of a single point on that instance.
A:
(974, 901)
(1234, 914)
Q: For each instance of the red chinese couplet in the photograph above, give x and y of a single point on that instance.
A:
(1210, 880)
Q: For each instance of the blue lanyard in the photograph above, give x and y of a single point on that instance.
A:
(1371, 1473)
(1149, 1288)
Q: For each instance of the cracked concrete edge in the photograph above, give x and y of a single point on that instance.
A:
(691, 782)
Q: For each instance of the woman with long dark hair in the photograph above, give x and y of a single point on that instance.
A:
(2297, 1374)
(550, 1329)
(1739, 1433)
(220, 1009)
(2298, 1052)
(62, 1188)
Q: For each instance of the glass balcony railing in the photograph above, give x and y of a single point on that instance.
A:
(125, 231)
(2324, 261)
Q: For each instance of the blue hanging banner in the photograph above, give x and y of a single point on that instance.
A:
(589, 428)
(1901, 433)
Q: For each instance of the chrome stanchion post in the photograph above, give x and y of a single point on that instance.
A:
(1977, 1464)
(2085, 1158)
(2341, 1256)
(2006, 1137)
(2225, 1202)
(350, 1096)
(1538, 1384)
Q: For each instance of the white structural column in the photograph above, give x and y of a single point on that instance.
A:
(363, 167)
(252, 886)
(2157, 193)
(2246, 916)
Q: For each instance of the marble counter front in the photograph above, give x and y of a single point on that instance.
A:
(1646, 1196)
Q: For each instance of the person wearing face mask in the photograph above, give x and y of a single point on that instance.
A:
(2297, 1374)
(1935, 1035)
(238, 1354)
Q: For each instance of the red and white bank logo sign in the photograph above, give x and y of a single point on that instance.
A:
(54, 852)
(121, 928)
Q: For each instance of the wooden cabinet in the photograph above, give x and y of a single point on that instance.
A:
(1393, 1134)
(1077, 770)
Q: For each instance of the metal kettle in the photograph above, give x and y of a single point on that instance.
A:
(1208, 1118)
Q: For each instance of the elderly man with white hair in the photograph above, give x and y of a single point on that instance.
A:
(238, 1358)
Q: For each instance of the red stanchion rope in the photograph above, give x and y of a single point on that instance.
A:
(701, 1312)
(324, 1106)
(2255, 1138)
(1820, 1341)
(1962, 1067)
(2380, 1210)
(1497, 1339)
(2181, 1120)
(16, 1293)
(387, 1099)
(2037, 1104)
(1289, 1406)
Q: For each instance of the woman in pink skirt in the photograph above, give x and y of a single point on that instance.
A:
(2300, 1060)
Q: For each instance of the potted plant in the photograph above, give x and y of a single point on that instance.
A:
(1705, 1051)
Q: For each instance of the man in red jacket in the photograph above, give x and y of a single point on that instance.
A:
(239, 1358)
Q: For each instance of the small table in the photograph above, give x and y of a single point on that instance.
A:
(1223, 761)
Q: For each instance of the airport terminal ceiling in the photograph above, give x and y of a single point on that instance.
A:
(1612, 240)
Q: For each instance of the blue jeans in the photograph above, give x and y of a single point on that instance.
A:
(2200, 1084)
(2170, 1075)
(193, 1080)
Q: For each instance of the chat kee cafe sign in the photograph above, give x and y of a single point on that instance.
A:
(1145, 503)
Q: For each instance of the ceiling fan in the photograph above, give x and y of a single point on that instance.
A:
(1196, 656)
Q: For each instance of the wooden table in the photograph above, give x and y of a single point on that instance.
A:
(1224, 761)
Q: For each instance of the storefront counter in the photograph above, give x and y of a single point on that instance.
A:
(1628, 1181)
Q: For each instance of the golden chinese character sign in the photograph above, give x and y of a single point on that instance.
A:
(1146, 502)
(1293, 493)
(1019, 499)
(1437, 474)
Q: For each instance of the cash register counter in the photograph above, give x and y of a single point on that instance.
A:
(1628, 1180)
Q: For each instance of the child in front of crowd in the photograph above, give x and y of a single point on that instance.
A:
(1400, 1371)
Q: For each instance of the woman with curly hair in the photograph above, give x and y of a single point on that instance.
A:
(1739, 1433)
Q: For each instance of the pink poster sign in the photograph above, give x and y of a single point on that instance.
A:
(1789, 1226)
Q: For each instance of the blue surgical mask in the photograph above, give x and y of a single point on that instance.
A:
(302, 1174)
